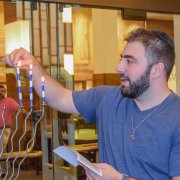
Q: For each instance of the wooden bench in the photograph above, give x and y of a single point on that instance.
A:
(85, 147)
(88, 150)
(32, 154)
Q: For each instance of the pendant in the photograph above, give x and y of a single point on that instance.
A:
(133, 136)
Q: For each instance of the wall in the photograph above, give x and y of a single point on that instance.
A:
(105, 55)
(105, 45)
(2, 40)
(9, 12)
(177, 50)
(166, 26)
(2, 43)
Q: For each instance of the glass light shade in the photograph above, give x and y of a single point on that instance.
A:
(69, 63)
(67, 15)
(17, 34)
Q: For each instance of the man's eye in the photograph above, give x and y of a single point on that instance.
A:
(129, 61)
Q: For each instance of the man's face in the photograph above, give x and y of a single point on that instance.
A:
(2, 93)
(134, 70)
(136, 88)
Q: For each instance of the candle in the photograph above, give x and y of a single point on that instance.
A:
(19, 83)
(42, 91)
(31, 86)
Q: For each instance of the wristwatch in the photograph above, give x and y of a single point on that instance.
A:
(125, 177)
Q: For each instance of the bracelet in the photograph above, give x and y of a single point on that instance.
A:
(125, 177)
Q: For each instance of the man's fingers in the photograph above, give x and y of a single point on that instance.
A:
(26, 63)
(8, 60)
(19, 55)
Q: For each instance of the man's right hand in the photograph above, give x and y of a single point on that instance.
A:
(108, 173)
(20, 55)
(57, 96)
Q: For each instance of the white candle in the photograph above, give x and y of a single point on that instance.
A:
(19, 83)
(30, 86)
(42, 91)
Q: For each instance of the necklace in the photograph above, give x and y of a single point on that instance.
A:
(133, 137)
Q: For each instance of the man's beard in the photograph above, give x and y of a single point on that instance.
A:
(137, 88)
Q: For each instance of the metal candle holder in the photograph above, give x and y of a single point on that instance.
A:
(31, 142)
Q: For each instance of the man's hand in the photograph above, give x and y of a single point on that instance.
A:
(19, 54)
(108, 173)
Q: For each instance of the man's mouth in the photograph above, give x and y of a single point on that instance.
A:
(124, 81)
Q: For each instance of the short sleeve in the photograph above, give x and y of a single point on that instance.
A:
(87, 101)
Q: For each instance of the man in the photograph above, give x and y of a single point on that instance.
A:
(139, 122)
(8, 105)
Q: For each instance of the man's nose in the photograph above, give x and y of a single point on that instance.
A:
(120, 67)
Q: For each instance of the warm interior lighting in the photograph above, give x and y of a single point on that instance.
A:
(19, 64)
(42, 79)
(67, 15)
(17, 35)
(69, 63)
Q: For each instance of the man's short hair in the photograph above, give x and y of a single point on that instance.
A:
(159, 47)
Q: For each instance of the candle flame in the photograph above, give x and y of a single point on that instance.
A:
(19, 64)
(42, 79)
(31, 66)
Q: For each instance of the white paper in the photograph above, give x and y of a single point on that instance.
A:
(67, 154)
(74, 158)
(88, 164)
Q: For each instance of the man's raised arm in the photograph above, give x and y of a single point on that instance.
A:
(57, 96)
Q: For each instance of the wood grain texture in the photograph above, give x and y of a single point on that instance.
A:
(162, 5)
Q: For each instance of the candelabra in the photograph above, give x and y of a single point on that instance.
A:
(2, 131)
(21, 154)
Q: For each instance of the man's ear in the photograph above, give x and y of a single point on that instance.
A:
(157, 70)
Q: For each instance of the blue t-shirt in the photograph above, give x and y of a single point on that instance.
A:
(155, 152)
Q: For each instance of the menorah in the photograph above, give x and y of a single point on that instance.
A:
(21, 154)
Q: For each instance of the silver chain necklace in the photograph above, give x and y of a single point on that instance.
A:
(133, 137)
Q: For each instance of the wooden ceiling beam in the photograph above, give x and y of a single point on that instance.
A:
(164, 6)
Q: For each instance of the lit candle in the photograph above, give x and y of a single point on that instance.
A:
(30, 86)
(19, 83)
(42, 91)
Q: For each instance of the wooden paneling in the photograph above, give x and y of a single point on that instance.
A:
(166, 26)
(2, 30)
(98, 79)
(2, 43)
(149, 5)
(9, 12)
(106, 79)
(82, 72)
(112, 79)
